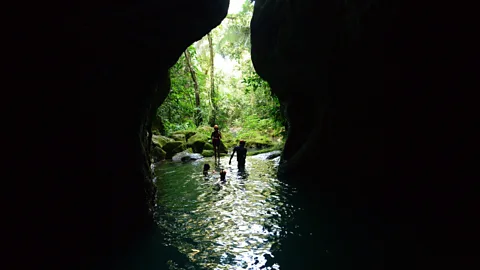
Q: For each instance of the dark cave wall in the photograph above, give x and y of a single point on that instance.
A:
(312, 55)
(115, 61)
(387, 116)
(99, 70)
(152, 35)
(373, 92)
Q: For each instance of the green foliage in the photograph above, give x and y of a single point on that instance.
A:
(178, 110)
(236, 35)
(246, 107)
(252, 81)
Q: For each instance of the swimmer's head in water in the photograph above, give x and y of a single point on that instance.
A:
(215, 127)
(206, 167)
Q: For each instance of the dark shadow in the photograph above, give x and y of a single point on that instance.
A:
(150, 253)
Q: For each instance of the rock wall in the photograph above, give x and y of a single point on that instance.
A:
(100, 71)
(374, 95)
(151, 35)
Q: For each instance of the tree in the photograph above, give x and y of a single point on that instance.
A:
(212, 82)
(204, 88)
(236, 37)
(178, 110)
(197, 116)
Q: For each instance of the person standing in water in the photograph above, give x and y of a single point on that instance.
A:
(241, 154)
(216, 136)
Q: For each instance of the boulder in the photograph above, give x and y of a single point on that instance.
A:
(197, 137)
(169, 146)
(207, 146)
(258, 143)
(179, 149)
(207, 153)
(174, 147)
(274, 154)
(158, 153)
(178, 137)
(197, 146)
(186, 156)
(161, 140)
(196, 142)
(222, 148)
(186, 133)
(189, 134)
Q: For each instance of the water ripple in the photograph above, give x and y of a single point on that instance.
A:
(227, 225)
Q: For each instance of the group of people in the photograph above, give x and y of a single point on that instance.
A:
(241, 151)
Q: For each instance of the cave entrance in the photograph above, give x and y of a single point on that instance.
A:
(214, 83)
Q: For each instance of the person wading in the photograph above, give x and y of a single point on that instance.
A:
(241, 154)
(216, 136)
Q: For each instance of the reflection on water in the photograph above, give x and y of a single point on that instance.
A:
(230, 225)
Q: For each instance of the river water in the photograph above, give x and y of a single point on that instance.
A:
(254, 221)
(231, 225)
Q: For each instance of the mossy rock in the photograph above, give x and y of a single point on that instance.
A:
(222, 148)
(205, 129)
(158, 153)
(207, 153)
(180, 148)
(197, 146)
(187, 133)
(259, 143)
(161, 140)
(178, 137)
(207, 146)
(169, 146)
(196, 142)
(197, 137)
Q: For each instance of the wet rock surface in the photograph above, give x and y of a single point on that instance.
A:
(186, 156)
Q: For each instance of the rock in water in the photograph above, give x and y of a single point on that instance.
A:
(185, 156)
(274, 154)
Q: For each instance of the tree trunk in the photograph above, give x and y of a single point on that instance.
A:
(197, 116)
(212, 81)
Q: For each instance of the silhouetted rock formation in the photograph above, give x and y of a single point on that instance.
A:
(375, 93)
(375, 99)
(102, 72)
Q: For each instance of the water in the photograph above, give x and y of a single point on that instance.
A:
(233, 225)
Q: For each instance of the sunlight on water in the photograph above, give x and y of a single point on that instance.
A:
(232, 225)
